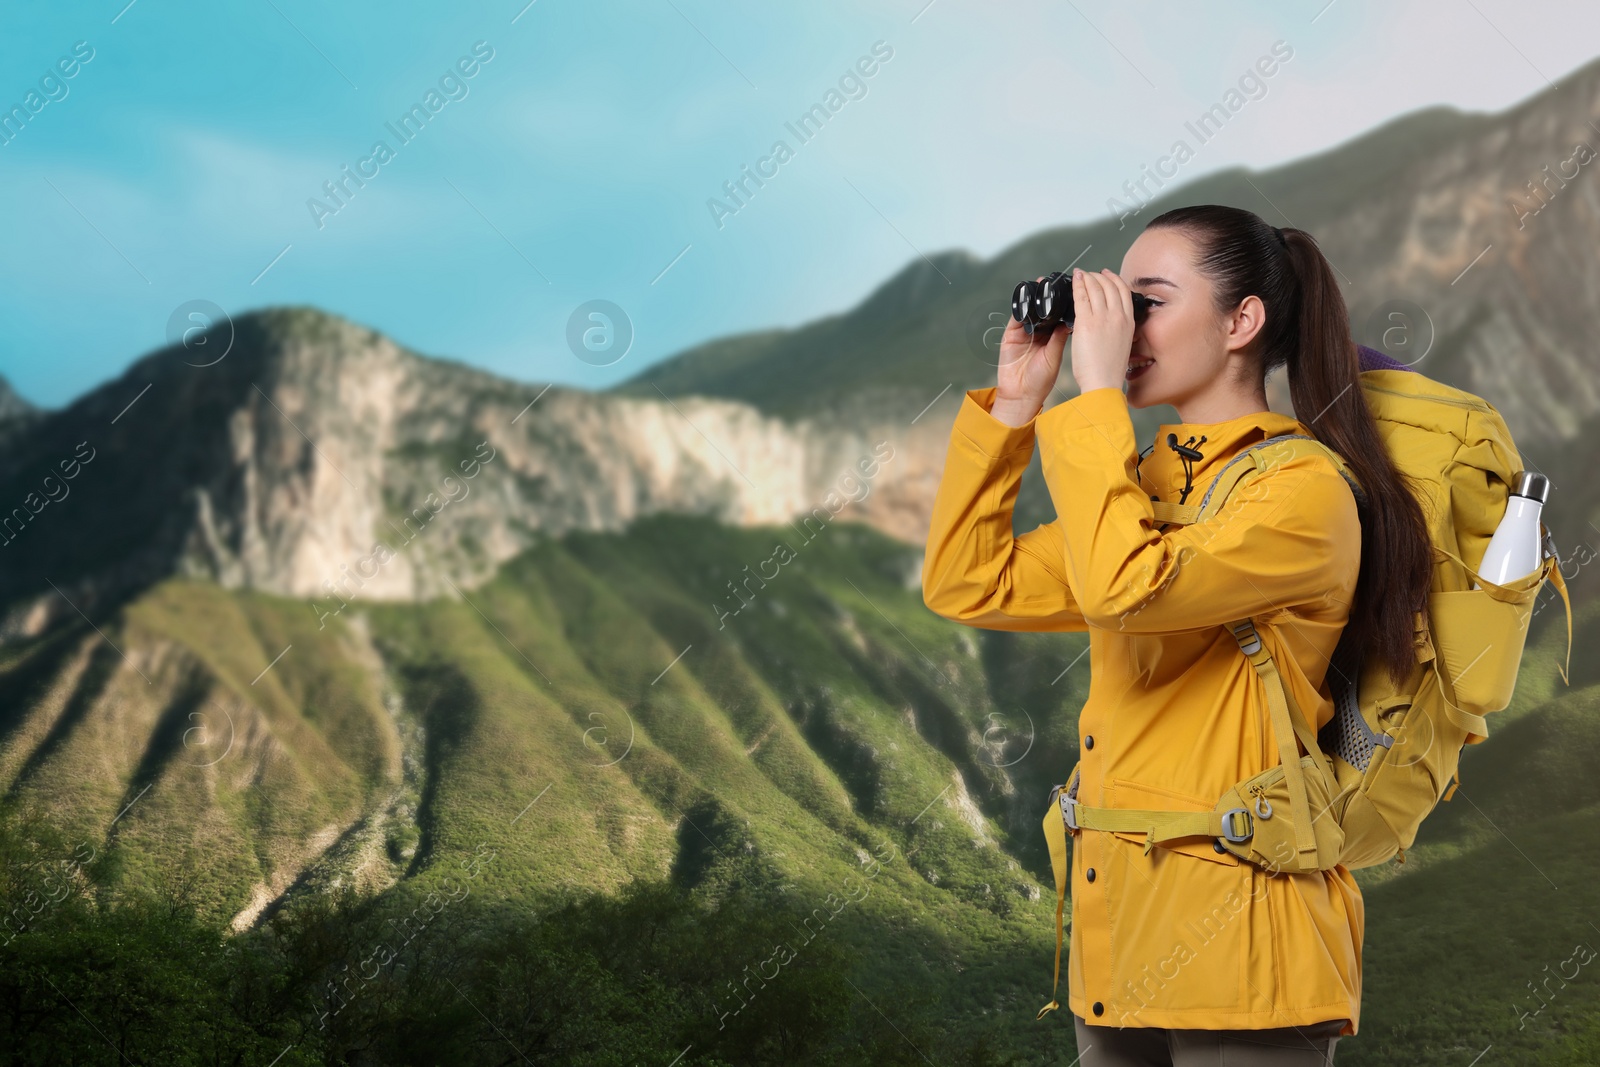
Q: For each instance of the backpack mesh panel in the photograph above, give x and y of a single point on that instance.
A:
(1347, 734)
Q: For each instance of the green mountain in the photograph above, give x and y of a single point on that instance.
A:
(581, 723)
(584, 717)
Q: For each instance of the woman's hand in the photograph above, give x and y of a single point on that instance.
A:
(1029, 366)
(1102, 335)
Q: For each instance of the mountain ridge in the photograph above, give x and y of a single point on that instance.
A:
(303, 460)
(1394, 209)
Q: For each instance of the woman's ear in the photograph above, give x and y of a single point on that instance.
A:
(1246, 322)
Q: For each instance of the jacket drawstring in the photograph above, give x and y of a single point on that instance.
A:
(1188, 456)
(1140, 462)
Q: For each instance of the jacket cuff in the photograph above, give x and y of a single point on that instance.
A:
(987, 434)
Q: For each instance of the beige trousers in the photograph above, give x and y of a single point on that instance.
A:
(1148, 1046)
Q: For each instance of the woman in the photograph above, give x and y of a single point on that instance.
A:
(1186, 954)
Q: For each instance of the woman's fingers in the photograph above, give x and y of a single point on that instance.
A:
(1098, 293)
(1108, 294)
(1094, 291)
(1119, 291)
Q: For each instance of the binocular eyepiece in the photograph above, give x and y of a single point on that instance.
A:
(1042, 306)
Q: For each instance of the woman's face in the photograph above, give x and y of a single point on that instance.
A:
(1196, 350)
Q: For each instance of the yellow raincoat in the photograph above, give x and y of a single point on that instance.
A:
(1189, 936)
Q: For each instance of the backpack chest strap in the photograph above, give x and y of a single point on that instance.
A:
(1181, 514)
(1285, 447)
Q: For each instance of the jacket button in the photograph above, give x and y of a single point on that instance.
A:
(1217, 846)
(1089, 874)
(1099, 1008)
(1088, 741)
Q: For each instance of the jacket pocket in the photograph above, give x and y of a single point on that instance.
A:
(1124, 793)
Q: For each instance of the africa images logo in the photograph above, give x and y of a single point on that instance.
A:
(852, 86)
(407, 128)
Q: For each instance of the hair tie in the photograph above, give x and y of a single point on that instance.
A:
(1279, 235)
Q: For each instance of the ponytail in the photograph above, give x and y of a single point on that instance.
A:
(1308, 330)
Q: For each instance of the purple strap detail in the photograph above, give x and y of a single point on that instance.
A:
(1372, 359)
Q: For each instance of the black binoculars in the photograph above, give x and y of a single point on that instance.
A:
(1042, 306)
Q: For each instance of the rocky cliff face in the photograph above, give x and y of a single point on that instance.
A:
(319, 459)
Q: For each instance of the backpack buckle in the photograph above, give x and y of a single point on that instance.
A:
(1069, 804)
(1229, 824)
(1244, 632)
(1069, 811)
(1548, 544)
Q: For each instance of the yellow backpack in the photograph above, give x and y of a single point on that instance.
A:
(1382, 763)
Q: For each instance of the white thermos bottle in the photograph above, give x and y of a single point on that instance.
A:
(1513, 551)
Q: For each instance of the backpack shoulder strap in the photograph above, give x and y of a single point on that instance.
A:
(1288, 724)
(1284, 449)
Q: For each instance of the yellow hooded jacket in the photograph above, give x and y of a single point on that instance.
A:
(1186, 936)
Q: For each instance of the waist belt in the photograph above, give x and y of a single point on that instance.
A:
(1159, 827)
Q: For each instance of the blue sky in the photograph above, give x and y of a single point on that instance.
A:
(577, 163)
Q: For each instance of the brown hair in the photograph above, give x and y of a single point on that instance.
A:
(1308, 329)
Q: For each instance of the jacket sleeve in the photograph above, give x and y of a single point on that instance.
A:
(975, 571)
(1288, 540)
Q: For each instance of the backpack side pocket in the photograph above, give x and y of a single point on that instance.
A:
(1478, 636)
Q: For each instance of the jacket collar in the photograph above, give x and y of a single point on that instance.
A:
(1162, 471)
